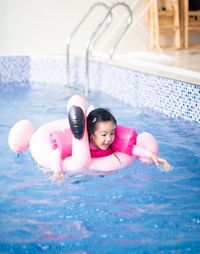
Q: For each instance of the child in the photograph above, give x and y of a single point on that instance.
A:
(104, 138)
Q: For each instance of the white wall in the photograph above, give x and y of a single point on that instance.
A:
(3, 30)
(38, 26)
(30, 27)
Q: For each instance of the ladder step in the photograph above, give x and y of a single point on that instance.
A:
(164, 21)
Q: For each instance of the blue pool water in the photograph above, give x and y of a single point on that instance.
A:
(139, 209)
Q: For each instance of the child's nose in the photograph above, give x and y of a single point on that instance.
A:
(108, 138)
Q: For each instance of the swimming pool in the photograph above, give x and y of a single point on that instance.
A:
(135, 210)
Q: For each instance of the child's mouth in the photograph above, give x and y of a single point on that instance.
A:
(105, 146)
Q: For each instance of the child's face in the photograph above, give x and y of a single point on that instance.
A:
(104, 135)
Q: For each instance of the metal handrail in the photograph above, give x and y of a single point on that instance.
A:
(129, 23)
(90, 43)
(70, 37)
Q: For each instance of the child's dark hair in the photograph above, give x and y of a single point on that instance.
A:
(96, 116)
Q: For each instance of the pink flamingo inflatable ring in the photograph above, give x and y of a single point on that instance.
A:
(73, 143)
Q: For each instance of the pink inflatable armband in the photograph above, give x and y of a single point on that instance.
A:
(147, 141)
(125, 139)
(63, 141)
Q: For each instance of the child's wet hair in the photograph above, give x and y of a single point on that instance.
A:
(96, 116)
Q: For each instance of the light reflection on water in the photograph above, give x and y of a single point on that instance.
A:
(135, 210)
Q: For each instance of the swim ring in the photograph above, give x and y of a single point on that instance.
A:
(75, 150)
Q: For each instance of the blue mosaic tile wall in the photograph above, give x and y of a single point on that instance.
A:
(173, 98)
(47, 71)
(14, 71)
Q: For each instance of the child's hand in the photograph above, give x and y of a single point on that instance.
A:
(57, 176)
(157, 160)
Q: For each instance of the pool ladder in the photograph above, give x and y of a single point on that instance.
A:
(95, 37)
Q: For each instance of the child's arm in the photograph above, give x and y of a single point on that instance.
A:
(142, 152)
(158, 160)
(56, 163)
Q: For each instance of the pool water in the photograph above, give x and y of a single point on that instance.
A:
(139, 209)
